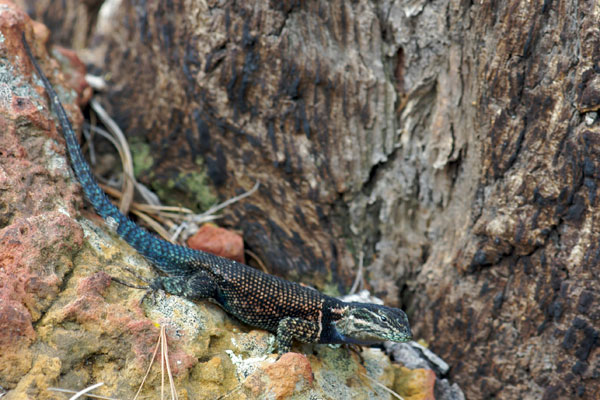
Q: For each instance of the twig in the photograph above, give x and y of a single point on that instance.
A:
(165, 360)
(381, 385)
(170, 215)
(93, 396)
(89, 141)
(148, 370)
(260, 263)
(226, 203)
(162, 365)
(125, 153)
(149, 208)
(359, 273)
(208, 215)
(96, 82)
(107, 136)
(235, 389)
(86, 390)
(176, 209)
(148, 195)
(177, 232)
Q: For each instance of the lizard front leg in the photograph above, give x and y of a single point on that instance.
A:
(291, 328)
(197, 286)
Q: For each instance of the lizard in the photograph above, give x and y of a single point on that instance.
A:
(287, 309)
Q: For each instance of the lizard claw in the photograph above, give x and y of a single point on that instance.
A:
(131, 285)
(147, 289)
(136, 275)
(151, 288)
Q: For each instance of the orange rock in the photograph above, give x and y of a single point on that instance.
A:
(213, 370)
(287, 372)
(415, 384)
(218, 241)
(289, 375)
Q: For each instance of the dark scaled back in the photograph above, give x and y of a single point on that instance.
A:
(260, 299)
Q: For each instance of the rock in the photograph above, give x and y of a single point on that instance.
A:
(413, 355)
(219, 241)
(65, 323)
(416, 384)
(213, 371)
(454, 142)
(407, 355)
(38, 236)
(445, 391)
(291, 374)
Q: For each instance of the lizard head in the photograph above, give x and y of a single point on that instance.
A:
(364, 323)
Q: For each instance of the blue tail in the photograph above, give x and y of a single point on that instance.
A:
(167, 257)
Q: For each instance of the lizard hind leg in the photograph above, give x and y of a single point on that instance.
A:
(197, 286)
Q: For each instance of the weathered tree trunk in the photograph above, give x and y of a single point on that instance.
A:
(454, 144)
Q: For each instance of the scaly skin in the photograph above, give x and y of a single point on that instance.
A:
(291, 311)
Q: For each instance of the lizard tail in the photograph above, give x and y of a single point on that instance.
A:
(167, 257)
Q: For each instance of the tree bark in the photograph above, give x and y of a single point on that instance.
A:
(454, 144)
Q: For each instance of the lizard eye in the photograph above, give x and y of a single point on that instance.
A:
(383, 318)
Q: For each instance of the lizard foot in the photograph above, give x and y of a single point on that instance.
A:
(148, 289)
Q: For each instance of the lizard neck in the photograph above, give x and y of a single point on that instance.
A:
(333, 311)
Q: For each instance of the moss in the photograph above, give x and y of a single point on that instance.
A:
(196, 185)
(142, 158)
(190, 189)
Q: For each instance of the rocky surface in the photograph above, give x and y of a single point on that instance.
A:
(66, 324)
(452, 142)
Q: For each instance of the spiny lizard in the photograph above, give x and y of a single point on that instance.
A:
(289, 310)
